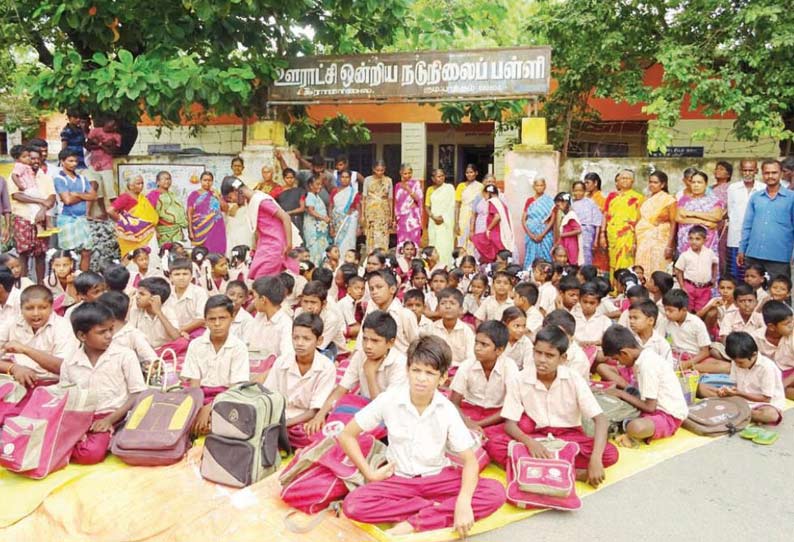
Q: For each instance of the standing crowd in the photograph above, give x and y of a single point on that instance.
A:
(451, 343)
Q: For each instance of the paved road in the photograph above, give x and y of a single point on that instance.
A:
(729, 490)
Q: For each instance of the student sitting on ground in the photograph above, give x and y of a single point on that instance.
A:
(550, 398)
(575, 358)
(375, 368)
(382, 290)
(526, 298)
(450, 327)
(688, 335)
(350, 305)
(9, 296)
(543, 272)
(243, 323)
(125, 334)
(519, 345)
(306, 378)
(643, 316)
(776, 340)
(742, 316)
(272, 334)
(117, 278)
(419, 491)
(414, 301)
(438, 281)
(88, 286)
(633, 294)
(568, 298)
(34, 345)
(110, 372)
(479, 386)
(148, 314)
(494, 305)
(590, 324)
(661, 403)
(187, 300)
(314, 300)
(216, 359)
(757, 380)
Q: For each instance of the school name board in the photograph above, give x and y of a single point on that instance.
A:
(477, 74)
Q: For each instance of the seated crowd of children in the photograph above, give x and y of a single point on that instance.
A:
(447, 360)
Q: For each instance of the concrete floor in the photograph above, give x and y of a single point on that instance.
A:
(728, 490)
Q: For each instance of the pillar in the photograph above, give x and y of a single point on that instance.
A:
(413, 145)
(264, 137)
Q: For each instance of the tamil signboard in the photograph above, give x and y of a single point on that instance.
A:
(476, 74)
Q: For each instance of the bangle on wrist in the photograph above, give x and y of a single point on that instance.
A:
(8, 371)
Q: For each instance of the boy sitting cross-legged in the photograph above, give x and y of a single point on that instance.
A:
(418, 488)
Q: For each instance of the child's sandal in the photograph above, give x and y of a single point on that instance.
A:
(766, 437)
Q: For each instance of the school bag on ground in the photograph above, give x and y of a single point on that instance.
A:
(616, 411)
(248, 423)
(718, 416)
(11, 393)
(40, 440)
(543, 483)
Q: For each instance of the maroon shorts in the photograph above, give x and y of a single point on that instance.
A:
(664, 425)
(25, 238)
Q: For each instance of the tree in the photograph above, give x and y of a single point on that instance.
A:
(337, 132)
(175, 60)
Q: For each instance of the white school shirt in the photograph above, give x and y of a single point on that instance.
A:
(491, 309)
(591, 329)
(577, 360)
(391, 372)
(11, 308)
(656, 380)
(738, 197)
(782, 353)
(763, 378)
(242, 325)
(271, 336)
(696, 266)
(470, 382)
(561, 405)
(418, 443)
(134, 339)
(303, 392)
(520, 351)
(150, 325)
(606, 306)
(733, 321)
(534, 321)
(689, 336)
(190, 306)
(460, 339)
(431, 301)
(470, 304)
(656, 343)
(333, 328)
(407, 326)
(347, 308)
(547, 297)
(54, 337)
(116, 376)
(227, 366)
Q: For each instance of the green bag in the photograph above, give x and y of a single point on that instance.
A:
(616, 411)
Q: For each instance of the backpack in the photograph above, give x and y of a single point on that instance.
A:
(718, 416)
(542, 483)
(616, 411)
(40, 440)
(248, 422)
(157, 431)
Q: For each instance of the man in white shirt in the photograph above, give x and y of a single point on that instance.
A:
(738, 195)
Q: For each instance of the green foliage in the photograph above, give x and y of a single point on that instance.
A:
(161, 56)
(337, 132)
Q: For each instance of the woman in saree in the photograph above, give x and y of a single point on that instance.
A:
(465, 194)
(316, 222)
(135, 217)
(441, 217)
(408, 201)
(275, 232)
(590, 219)
(377, 208)
(655, 229)
(205, 210)
(267, 184)
(172, 219)
(620, 218)
(344, 213)
(538, 220)
(700, 208)
(498, 232)
(592, 187)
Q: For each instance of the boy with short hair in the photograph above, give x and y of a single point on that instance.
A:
(449, 326)
(526, 298)
(188, 300)
(374, 368)
(575, 359)
(414, 301)
(125, 334)
(306, 378)
(642, 322)
(150, 315)
(110, 372)
(590, 324)
(696, 269)
(492, 307)
(350, 305)
(687, 334)
(243, 322)
(661, 403)
(549, 398)
(742, 316)
(216, 359)
(758, 380)
(569, 288)
(776, 340)
(9, 296)
(438, 281)
(314, 300)
(419, 491)
(89, 286)
(117, 278)
(273, 328)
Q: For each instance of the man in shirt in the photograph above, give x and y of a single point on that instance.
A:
(738, 195)
(104, 143)
(768, 227)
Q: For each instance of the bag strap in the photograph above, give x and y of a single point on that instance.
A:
(334, 508)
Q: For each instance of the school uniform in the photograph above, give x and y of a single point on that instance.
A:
(534, 321)
(696, 267)
(547, 297)
(520, 351)
(130, 337)
(11, 308)
(67, 315)
(606, 306)
(656, 379)
(190, 306)
(390, 373)
(591, 329)
(347, 309)
(150, 325)
(116, 376)
(460, 339)
(407, 326)
(216, 369)
(557, 410)
(763, 378)
(491, 309)
(425, 486)
(54, 337)
(271, 336)
(431, 301)
(242, 326)
(471, 304)
(333, 330)
(425, 326)
(658, 345)
(781, 353)
(688, 337)
(733, 321)
(578, 360)
(303, 392)
(294, 297)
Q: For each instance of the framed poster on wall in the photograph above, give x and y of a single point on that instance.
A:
(446, 161)
(185, 177)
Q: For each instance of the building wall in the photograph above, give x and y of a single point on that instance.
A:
(721, 142)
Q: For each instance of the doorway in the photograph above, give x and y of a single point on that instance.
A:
(479, 155)
(392, 154)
